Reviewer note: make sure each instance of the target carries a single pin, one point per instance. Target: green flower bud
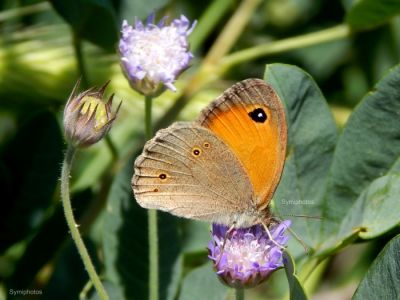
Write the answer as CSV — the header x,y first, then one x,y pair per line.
x,y
87,116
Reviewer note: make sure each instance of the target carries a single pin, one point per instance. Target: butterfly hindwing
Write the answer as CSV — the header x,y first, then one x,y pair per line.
x,y
188,171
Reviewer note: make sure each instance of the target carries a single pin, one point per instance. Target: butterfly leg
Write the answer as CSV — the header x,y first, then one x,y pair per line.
x,y
270,236
228,232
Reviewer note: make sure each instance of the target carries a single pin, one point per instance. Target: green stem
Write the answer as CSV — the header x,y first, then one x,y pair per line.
x,y
148,117
207,22
153,244
152,218
111,146
77,43
323,36
239,294
231,32
73,227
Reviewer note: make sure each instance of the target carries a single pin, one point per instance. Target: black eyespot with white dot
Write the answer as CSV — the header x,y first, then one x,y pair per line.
x,y
162,176
258,115
196,151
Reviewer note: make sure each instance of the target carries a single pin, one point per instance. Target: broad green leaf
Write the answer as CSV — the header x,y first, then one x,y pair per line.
x,y
296,289
29,176
382,280
94,20
367,149
202,283
312,135
126,243
379,206
365,14
374,213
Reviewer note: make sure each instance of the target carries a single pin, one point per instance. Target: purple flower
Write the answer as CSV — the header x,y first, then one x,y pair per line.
x,y
87,117
153,56
248,256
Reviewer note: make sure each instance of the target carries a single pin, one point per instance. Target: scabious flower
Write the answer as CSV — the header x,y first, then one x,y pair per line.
x,y
153,56
248,256
87,117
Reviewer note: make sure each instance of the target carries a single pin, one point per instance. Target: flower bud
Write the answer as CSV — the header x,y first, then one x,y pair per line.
x,y
87,117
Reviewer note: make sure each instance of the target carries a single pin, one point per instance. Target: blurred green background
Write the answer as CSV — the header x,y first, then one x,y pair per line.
x,y
40,47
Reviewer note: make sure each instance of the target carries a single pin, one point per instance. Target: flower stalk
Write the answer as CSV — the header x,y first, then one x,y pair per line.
x,y
152,57
152,217
239,294
73,227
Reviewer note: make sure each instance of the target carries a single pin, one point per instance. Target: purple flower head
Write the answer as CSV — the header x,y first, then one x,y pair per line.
x,y
154,55
248,256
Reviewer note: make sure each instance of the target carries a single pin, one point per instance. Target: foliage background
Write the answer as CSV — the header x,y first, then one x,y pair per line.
x,y
46,46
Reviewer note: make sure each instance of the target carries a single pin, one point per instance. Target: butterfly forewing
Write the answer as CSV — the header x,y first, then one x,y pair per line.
x,y
250,118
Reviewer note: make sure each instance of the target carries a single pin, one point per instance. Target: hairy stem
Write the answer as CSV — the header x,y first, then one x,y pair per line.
x,y
73,227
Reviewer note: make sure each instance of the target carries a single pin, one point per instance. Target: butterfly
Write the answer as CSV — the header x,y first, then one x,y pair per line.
x,y
222,168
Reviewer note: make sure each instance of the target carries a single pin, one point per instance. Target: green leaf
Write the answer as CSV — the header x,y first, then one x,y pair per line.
x,y
93,20
382,280
202,283
29,176
366,14
374,213
312,135
126,243
379,205
367,149
296,289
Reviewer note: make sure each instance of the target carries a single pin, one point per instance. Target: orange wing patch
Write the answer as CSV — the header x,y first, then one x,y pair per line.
x,y
251,121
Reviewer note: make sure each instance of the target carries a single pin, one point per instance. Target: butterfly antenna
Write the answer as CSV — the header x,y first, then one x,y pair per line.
x,y
304,216
294,234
